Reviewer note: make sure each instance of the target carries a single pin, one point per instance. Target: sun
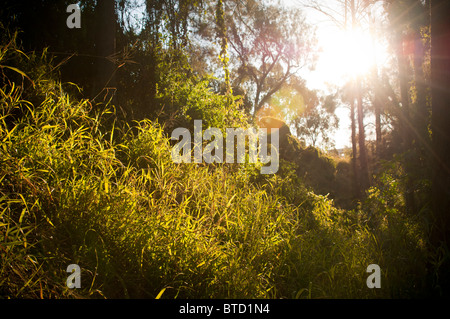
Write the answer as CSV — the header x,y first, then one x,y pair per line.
x,y
347,54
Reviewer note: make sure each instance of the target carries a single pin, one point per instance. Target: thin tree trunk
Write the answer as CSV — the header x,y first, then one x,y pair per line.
x,y
406,126
363,163
356,185
376,99
421,114
377,110
106,46
404,97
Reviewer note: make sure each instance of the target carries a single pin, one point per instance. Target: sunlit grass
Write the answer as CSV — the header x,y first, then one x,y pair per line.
x,y
110,199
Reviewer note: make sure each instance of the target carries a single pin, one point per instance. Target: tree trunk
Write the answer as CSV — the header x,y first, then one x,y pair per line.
x,y
356,186
363,163
404,96
421,112
440,122
406,125
377,111
376,98
106,46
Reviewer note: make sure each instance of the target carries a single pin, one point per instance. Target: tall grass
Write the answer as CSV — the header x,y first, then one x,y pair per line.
x,y
76,190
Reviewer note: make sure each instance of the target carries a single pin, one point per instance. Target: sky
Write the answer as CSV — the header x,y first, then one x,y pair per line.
x,y
321,78
341,54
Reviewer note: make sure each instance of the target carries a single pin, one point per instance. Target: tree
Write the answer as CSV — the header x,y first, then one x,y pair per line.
x,y
347,96
363,163
353,12
440,84
270,44
222,35
157,44
409,21
105,48
377,101
311,116
315,127
169,17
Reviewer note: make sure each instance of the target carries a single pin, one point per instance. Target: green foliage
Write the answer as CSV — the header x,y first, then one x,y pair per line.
x,y
398,237
314,168
191,98
270,44
75,190
180,96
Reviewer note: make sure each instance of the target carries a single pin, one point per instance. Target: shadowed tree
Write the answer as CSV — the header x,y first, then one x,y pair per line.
x,y
105,48
440,84
409,28
440,70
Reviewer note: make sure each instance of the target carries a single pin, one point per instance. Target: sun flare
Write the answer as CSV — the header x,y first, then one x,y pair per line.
x,y
346,54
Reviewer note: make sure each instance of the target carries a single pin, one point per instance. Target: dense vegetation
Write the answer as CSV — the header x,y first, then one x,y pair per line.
x,y
84,182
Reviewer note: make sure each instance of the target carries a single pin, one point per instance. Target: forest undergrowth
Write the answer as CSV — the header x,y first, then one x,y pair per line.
x,y
78,187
